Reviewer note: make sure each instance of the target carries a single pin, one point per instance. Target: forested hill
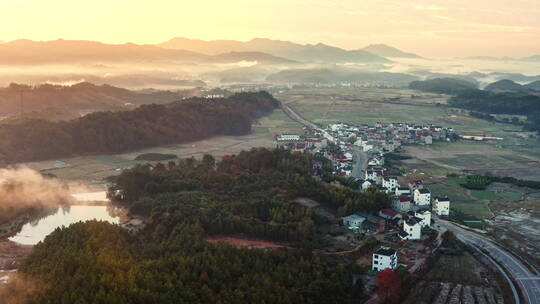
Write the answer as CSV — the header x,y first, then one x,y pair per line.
x,y
442,85
170,260
145,126
501,103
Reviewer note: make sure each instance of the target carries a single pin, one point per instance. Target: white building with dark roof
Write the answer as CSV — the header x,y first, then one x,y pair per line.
x,y
441,206
403,191
422,197
353,221
425,216
384,258
412,230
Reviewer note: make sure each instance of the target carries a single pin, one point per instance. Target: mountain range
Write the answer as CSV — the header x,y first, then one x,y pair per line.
x,y
506,85
300,52
534,58
384,50
73,101
28,52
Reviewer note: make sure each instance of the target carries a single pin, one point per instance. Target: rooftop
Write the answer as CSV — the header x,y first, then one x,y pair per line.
x,y
387,251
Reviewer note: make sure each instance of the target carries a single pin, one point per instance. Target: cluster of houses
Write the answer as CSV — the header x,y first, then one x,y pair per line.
x,y
412,204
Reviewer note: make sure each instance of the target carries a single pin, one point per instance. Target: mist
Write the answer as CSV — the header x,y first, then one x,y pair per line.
x,y
23,189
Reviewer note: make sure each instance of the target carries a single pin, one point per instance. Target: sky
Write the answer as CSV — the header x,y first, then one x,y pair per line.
x,y
429,27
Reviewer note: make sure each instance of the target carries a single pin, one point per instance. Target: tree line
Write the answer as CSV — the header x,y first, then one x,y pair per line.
x,y
97,262
145,126
501,103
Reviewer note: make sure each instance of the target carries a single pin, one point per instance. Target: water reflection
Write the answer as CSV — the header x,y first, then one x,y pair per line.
x,y
36,231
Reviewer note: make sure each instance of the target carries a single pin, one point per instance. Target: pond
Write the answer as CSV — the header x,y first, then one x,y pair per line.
x,y
36,231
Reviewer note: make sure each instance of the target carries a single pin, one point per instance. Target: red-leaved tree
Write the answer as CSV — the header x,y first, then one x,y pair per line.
x,y
388,286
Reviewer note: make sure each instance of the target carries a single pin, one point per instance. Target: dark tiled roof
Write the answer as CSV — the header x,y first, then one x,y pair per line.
x,y
413,221
402,233
385,251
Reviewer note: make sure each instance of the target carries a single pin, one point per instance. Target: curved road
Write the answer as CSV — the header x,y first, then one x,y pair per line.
x,y
527,281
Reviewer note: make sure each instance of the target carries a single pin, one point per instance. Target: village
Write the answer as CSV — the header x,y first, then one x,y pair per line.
x,y
405,236
405,233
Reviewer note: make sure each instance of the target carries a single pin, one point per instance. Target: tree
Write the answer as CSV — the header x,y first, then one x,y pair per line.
x,y
388,286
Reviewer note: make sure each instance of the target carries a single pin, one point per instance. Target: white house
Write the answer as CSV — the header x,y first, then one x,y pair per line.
x,y
402,203
384,258
425,217
441,206
422,197
370,174
288,137
411,229
403,191
353,221
366,184
390,183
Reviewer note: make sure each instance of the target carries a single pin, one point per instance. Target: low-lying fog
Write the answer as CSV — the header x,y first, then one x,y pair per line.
x,y
170,77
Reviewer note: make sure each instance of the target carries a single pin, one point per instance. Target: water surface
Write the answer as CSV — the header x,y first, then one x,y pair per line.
x,y
36,231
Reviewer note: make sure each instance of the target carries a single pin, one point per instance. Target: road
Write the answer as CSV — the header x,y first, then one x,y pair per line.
x,y
360,163
360,158
295,116
527,282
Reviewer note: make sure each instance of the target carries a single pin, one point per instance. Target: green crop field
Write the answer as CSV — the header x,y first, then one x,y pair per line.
x,y
479,209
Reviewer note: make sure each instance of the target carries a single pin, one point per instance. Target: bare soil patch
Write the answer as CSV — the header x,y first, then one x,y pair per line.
x,y
241,242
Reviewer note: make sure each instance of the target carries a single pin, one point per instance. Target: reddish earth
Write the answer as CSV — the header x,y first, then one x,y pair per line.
x,y
244,242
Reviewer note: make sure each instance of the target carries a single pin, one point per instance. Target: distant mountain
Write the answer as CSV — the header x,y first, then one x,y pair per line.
x,y
442,85
22,52
516,77
534,58
427,74
81,98
505,85
534,85
260,57
384,50
339,75
236,75
294,51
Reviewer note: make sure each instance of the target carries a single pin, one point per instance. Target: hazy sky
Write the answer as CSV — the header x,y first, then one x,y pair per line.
x,y
428,27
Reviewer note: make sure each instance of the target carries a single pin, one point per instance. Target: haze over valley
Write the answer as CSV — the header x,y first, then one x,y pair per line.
x,y
324,151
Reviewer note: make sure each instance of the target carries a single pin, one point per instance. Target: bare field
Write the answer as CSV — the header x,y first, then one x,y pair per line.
x,y
93,170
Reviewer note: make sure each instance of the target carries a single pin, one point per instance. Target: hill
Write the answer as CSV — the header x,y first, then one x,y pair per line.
x,y
384,50
338,75
286,49
259,57
535,85
185,205
145,126
442,85
23,52
78,99
506,85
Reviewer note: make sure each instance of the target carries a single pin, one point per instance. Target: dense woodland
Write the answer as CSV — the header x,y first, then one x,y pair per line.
x,y
250,193
170,260
501,103
146,126
442,85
